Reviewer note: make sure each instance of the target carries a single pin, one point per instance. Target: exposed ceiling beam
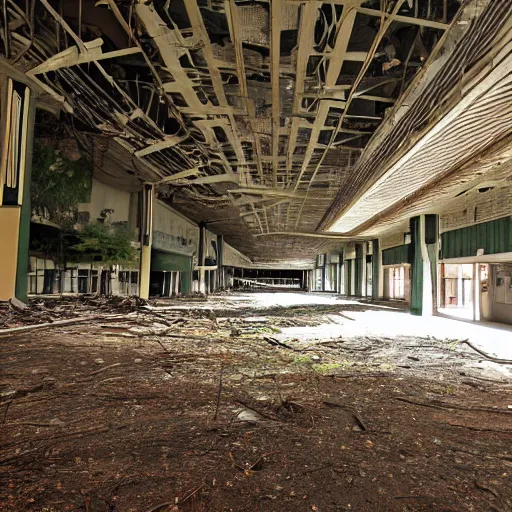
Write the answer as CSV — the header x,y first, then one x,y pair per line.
x,y
234,28
203,39
345,27
389,18
406,19
72,57
267,192
369,97
168,142
331,236
209,180
275,56
305,45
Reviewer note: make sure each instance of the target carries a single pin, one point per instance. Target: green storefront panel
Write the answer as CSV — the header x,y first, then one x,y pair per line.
x,y
166,261
416,306
493,237
396,255
172,262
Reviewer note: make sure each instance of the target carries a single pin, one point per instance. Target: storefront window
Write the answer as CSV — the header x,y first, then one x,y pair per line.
x,y
503,284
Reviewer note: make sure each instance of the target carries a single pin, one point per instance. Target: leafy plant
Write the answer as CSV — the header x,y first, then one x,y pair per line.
x,y
58,184
109,244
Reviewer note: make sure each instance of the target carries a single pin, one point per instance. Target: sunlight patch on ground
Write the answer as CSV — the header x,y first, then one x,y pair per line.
x,y
496,339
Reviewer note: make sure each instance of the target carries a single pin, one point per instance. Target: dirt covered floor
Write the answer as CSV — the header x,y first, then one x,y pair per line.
x,y
238,403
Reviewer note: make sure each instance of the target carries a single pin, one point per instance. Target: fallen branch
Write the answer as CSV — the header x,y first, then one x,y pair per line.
x,y
104,369
58,323
460,425
487,356
177,502
357,419
245,404
317,468
442,405
277,343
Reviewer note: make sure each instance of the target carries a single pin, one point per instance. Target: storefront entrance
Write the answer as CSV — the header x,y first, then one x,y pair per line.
x,y
397,282
456,293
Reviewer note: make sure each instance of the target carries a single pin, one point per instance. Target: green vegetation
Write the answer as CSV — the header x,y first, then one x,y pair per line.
x,y
58,184
327,367
108,244
317,366
303,360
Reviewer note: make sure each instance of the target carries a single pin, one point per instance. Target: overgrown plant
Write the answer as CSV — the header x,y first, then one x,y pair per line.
x,y
58,184
105,244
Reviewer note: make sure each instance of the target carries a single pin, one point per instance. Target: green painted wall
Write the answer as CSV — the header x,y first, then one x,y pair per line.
x,y
396,255
186,282
26,211
359,271
348,284
375,270
416,307
167,261
493,236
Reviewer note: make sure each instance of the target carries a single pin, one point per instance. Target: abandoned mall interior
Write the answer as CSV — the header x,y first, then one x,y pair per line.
x,y
256,255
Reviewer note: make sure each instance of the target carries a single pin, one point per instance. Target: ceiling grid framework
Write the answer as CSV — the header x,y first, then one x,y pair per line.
x,y
252,115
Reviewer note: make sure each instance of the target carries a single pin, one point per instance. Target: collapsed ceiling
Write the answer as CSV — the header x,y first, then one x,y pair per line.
x,y
250,115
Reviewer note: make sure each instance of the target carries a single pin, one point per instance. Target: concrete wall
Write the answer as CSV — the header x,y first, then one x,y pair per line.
x,y
209,250
234,258
393,239
172,232
476,207
106,197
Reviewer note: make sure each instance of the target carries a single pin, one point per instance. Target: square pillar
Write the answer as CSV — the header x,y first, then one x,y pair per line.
x,y
378,274
148,195
424,261
16,140
364,276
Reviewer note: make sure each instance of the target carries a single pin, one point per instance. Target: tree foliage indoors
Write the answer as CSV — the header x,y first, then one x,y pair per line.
x,y
58,184
105,244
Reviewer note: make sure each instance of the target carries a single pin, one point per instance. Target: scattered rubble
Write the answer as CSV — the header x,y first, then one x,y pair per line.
x,y
154,407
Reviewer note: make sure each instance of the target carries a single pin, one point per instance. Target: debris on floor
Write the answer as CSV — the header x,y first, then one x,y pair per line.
x,y
214,407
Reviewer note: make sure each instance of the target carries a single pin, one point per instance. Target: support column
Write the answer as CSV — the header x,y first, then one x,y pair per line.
x,y
425,249
377,277
358,274
221,281
324,272
460,287
201,257
343,280
364,276
476,292
16,139
352,274
148,194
